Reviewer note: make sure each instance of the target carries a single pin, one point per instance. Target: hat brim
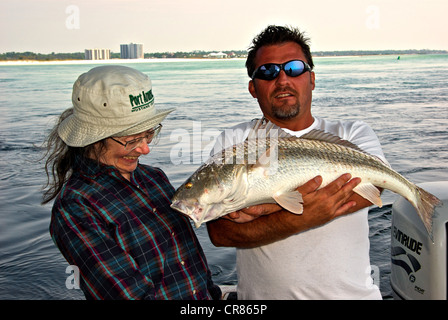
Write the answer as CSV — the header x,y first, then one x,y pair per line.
x,y
77,133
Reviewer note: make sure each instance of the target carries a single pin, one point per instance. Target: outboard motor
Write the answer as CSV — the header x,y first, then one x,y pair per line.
x,y
418,264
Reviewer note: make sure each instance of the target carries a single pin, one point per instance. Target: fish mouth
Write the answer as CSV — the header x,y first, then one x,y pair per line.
x,y
191,210
183,206
197,212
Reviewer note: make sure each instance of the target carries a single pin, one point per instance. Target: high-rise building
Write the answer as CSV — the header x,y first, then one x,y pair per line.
x,y
131,51
124,51
97,54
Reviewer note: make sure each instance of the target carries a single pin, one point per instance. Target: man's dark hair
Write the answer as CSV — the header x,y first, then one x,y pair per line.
x,y
273,35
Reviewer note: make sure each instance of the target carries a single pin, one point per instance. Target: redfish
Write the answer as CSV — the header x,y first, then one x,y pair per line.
x,y
268,168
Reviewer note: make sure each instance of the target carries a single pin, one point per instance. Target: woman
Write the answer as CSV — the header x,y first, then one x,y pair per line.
x,y
111,215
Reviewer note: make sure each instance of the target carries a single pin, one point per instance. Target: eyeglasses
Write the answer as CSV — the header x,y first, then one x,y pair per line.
x,y
151,136
270,71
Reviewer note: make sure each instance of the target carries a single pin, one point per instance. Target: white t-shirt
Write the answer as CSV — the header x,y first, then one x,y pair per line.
x,y
327,262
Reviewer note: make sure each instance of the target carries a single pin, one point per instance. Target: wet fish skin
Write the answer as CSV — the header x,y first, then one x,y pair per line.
x,y
226,183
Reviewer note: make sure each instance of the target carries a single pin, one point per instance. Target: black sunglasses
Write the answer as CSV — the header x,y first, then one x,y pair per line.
x,y
270,71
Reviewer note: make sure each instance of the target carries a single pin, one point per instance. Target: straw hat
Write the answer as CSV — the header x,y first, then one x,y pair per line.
x,y
110,101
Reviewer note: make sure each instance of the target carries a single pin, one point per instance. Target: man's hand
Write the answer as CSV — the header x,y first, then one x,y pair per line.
x,y
327,203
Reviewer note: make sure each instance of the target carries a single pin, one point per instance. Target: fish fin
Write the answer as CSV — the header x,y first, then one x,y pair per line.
x,y
370,192
264,159
320,135
258,124
291,201
425,208
323,136
268,161
263,128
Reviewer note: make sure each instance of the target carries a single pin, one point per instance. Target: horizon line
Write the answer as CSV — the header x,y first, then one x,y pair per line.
x,y
241,50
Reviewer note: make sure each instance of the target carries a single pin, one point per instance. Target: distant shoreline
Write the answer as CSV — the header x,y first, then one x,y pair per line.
x,y
109,61
158,60
27,58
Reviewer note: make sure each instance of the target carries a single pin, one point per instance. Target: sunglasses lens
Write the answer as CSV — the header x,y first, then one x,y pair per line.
x,y
268,71
271,71
294,68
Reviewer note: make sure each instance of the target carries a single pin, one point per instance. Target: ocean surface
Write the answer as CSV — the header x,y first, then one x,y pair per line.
x,y
405,101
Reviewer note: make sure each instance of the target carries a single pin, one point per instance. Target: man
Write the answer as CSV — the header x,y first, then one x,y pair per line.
x,y
277,256
111,216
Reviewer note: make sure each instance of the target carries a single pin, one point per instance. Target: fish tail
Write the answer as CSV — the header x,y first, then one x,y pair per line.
x,y
426,202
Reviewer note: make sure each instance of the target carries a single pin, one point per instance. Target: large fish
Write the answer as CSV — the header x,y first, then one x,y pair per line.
x,y
268,167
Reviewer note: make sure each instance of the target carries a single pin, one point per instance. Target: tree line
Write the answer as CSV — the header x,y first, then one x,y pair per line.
x,y
14,56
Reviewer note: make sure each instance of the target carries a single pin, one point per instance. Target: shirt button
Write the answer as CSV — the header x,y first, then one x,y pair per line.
x,y
154,209
182,262
194,291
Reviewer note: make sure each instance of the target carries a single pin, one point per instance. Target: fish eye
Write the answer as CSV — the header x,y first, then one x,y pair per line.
x,y
188,185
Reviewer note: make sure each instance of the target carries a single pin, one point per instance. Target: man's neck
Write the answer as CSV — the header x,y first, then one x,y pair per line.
x,y
295,124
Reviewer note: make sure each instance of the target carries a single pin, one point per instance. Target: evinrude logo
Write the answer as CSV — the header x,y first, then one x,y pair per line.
x,y
141,101
407,241
401,258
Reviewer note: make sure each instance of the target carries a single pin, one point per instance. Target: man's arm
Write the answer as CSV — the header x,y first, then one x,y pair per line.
x,y
319,207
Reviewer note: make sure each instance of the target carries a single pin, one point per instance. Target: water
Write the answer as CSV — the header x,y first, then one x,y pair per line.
x,y
405,102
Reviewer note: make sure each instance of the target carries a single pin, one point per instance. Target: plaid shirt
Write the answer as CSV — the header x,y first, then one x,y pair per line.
x,y
125,239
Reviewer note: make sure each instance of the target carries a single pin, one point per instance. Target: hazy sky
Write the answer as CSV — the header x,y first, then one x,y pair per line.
x,y
185,25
